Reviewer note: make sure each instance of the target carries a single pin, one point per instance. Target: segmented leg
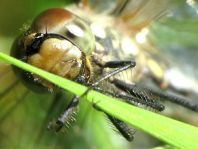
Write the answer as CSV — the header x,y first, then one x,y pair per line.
x,y
140,98
126,131
145,93
116,64
55,102
67,116
144,101
119,66
173,98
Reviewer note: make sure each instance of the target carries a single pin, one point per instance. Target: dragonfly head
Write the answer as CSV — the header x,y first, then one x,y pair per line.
x,y
58,42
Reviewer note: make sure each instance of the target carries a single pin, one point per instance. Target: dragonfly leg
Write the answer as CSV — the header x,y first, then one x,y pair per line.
x,y
146,92
119,65
182,101
135,100
67,116
126,131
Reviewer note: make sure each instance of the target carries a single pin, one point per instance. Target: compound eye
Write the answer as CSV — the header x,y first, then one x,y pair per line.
x,y
63,22
58,42
50,52
80,33
58,56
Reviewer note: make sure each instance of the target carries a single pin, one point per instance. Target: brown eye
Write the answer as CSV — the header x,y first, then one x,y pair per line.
x,y
63,22
56,42
58,56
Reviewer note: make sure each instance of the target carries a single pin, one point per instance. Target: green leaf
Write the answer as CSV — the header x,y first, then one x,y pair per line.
x,y
172,132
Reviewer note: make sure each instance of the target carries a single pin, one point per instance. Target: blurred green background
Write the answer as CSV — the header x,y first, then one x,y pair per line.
x,y
24,129
15,13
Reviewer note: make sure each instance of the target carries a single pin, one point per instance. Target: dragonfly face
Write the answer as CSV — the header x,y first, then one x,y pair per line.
x,y
56,42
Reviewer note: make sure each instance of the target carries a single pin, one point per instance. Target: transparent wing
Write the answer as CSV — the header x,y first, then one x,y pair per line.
x,y
99,6
139,14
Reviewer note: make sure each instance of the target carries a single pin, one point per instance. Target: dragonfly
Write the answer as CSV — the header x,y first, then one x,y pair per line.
x,y
79,44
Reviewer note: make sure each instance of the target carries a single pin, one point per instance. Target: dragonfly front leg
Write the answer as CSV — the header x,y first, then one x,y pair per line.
x,y
119,66
67,116
115,64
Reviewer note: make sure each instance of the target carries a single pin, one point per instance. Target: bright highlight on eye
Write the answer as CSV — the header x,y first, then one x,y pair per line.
x,y
76,30
98,30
